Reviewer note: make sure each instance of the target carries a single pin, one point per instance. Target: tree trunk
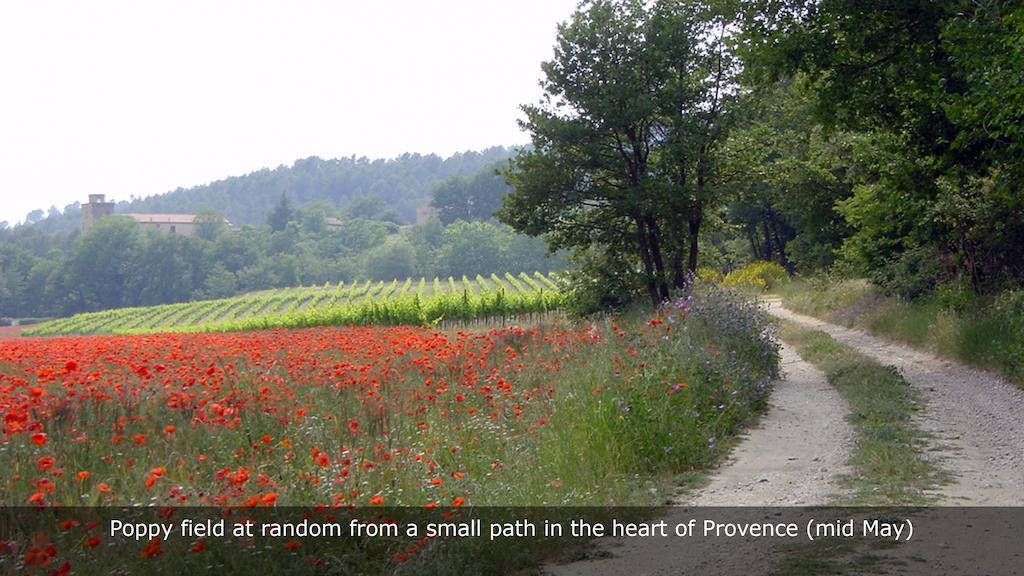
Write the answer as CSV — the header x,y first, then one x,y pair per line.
x,y
768,242
694,222
645,258
653,234
678,271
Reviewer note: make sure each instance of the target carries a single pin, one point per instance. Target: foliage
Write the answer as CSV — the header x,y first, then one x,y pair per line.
x,y
759,275
469,198
1007,349
788,175
912,274
985,331
402,183
721,369
928,83
407,301
637,101
278,217
599,281
117,263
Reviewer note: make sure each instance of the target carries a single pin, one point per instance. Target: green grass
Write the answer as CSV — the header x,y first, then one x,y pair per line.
x,y
984,332
837,556
888,467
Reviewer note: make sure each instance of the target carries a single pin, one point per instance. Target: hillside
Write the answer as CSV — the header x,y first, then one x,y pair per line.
x,y
404,183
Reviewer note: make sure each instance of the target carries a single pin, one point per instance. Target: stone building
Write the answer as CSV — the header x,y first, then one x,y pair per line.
x,y
184,224
97,208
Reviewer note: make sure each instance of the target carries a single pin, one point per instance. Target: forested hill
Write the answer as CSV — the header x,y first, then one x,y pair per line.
x,y
403,183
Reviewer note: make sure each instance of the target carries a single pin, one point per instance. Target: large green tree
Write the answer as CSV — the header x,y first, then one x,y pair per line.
x,y
624,142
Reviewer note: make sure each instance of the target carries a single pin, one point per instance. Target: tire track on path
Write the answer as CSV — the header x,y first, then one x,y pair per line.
x,y
975,417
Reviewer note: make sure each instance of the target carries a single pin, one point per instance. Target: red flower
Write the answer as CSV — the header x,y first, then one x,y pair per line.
x,y
39,438
376,500
152,549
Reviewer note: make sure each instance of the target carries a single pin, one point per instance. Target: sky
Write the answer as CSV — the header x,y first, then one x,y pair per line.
x,y
131,99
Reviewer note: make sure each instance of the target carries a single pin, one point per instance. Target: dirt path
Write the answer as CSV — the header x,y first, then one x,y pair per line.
x,y
977,418
791,458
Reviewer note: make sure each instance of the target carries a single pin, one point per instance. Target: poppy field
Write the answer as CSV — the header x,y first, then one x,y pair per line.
x,y
377,416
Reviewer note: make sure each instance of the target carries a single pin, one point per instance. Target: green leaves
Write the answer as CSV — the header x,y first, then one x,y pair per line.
x,y
638,98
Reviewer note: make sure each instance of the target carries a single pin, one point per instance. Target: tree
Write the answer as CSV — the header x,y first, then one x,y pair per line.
x,y
210,224
372,208
34,216
469,198
392,260
934,84
625,139
471,248
280,215
100,264
789,174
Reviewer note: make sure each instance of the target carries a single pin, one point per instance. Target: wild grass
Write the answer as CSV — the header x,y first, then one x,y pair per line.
x,y
987,332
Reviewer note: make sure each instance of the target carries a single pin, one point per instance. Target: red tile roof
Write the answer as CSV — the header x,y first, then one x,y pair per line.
x,y
163,218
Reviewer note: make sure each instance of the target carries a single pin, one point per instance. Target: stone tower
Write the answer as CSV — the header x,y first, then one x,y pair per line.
x,y
97,208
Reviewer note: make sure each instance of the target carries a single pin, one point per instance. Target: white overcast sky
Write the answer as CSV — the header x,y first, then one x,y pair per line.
x,y
140,97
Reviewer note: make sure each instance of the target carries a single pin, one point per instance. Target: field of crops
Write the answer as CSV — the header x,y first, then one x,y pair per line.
x,y
338,417
412,301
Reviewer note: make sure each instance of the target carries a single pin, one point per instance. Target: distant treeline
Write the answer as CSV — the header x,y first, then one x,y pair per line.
x,y
118,263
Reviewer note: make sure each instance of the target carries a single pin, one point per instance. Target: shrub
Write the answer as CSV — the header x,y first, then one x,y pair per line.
x,y
708,274
1008,342
913,273
599,281
760,275
707,371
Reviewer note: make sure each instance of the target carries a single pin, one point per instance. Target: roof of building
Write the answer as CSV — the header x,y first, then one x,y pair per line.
x,y
163,218
332,221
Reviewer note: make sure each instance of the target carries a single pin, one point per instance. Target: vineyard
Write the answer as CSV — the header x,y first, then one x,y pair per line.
x,y
410,301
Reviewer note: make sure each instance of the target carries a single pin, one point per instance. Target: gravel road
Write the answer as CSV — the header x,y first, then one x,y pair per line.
x,y
976,418
792,456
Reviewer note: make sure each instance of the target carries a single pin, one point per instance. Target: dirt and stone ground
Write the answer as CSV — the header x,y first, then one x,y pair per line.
x,y
976,418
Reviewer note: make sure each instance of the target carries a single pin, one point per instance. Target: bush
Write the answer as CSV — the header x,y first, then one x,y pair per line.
x,y
760,275
708,274
598,282
912,274
1008,343
705,368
